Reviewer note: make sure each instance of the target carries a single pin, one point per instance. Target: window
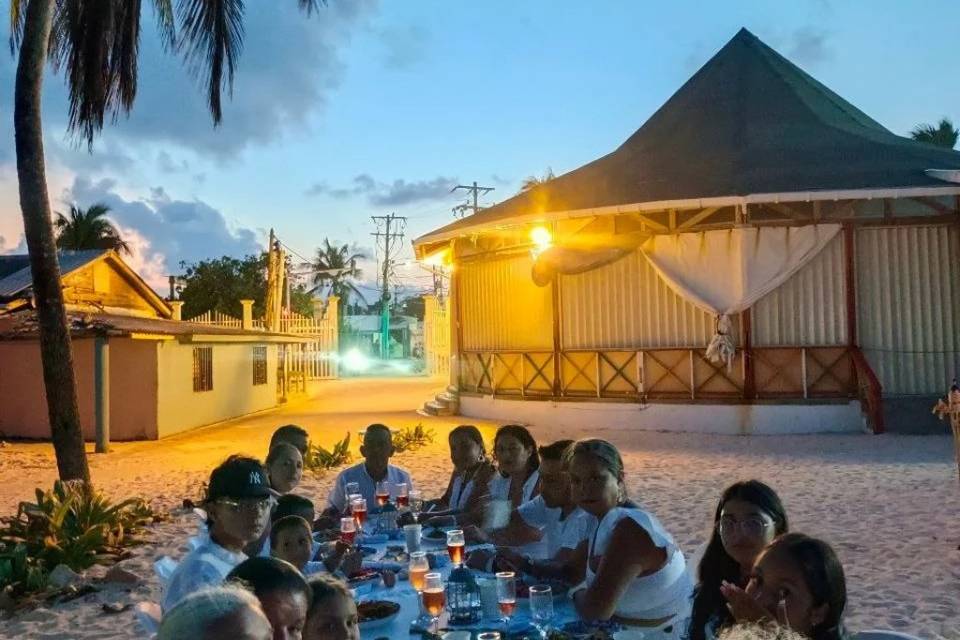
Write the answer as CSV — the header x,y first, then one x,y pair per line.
x,y
259,365
203,369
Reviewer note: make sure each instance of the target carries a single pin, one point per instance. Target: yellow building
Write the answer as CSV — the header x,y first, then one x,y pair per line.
x,y
160,375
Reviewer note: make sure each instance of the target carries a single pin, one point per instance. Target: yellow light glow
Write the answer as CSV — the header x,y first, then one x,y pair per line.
x,y
540,236
437,258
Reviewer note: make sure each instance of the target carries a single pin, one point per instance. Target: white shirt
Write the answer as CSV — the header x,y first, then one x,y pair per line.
x,y
500,487
205,566
556,533
666,592
368,486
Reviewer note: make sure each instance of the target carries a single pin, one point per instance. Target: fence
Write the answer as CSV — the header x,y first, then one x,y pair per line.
x,y
215,318
436,336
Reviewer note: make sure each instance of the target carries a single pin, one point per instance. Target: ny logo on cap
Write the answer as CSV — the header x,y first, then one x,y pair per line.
x,y
255,478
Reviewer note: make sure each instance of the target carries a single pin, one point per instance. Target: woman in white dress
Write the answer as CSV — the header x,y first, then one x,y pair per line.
x,y
468,490
518,464
636,574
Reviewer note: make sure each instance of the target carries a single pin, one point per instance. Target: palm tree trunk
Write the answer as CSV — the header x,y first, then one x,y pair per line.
x,y
55,351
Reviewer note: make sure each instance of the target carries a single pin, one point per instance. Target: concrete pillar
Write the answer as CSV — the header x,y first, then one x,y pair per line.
x,y
247,322
101,378
177,306
429,329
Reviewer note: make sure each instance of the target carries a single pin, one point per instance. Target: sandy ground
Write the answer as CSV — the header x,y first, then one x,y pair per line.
x,y
890,505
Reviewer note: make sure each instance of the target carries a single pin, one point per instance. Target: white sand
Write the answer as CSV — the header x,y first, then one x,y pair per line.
x,y
890,505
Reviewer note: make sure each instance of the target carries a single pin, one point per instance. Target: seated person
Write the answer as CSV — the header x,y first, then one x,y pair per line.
x,y
333,614
216,613
284,467
238,505
540,528
747,518
282,591
468,489
376,450
291,434
759,631
518,464
291,540
635,572
797,582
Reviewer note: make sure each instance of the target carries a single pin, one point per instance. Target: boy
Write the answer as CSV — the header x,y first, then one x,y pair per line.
x,y
291,434
282,590
376,451
333,614
290,540
238,505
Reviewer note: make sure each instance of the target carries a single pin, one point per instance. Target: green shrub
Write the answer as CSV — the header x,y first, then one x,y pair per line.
x,y
320,460
412,438
73,524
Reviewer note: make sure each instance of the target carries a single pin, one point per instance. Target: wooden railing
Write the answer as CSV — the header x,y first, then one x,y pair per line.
x,y
869,390
660,374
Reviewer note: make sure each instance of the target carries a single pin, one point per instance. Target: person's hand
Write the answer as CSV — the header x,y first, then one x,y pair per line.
x,y
406,518
442,521
351,563
474,534
340,548
510,560
324,522
743,606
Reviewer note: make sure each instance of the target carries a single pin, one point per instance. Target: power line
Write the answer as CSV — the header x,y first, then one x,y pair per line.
x,y
460,210
390,228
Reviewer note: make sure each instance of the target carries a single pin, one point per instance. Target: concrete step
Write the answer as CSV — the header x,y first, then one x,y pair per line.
x,y
447,398
434,408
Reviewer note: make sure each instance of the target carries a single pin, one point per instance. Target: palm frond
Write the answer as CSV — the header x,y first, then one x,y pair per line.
x,y
98,44
211,41
163,10
17,16
309,6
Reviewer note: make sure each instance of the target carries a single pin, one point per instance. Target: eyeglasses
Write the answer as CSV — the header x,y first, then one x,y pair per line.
x,y
249,505
750,527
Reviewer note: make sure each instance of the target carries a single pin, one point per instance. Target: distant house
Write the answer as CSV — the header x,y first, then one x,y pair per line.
x,y
164,376
363,332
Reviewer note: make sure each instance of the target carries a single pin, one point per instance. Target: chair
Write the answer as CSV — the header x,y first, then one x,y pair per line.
x,y
877,634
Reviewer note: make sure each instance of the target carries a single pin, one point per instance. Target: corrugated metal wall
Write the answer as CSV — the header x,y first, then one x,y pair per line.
x,y
908,297
501,308
627,305
809,309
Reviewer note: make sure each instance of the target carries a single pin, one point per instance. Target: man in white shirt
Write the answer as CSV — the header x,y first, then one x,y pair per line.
x,y
546,529
376,451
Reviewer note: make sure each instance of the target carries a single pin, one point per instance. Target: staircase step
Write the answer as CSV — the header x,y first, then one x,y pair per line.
x,y
447,398
436,409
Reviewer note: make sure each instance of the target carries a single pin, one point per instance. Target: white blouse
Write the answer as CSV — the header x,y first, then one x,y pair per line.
x,y
664,593
500,487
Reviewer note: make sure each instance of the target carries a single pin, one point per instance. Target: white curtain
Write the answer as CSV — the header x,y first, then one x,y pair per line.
x,y
726,271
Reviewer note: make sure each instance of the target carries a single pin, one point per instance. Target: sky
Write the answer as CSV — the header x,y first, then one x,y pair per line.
x,y
372,107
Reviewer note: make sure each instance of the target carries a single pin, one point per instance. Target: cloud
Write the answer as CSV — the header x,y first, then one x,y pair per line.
x,y
404,47
167,231
809,46
392,194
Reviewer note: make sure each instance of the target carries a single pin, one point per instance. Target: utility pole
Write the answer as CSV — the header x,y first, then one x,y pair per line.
x,y
460,210
390,228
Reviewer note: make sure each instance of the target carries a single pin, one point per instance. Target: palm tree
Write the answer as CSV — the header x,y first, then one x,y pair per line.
x,y
88,230
96,43
943,135
535,181
337,267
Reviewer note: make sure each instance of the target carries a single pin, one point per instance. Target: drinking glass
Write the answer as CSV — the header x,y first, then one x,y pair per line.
x,y
455,544
541,606
433,597
383,493
402,498
507,593
411,535
416,503
359,510
348,529
418,568
351,492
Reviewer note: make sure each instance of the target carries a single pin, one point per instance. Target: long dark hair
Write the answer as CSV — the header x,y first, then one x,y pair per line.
x,y
717,566
472,433
823,575
523,436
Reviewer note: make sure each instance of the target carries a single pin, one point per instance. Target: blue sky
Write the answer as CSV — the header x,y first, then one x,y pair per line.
x,y
372,107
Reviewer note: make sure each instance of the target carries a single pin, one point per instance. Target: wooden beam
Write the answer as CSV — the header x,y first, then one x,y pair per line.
x,y
930,203
786,210
698,218
816,210
673,219
653,224
557,364
749,372
850,279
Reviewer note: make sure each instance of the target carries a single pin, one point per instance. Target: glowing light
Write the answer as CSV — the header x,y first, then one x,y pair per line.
x,y
438,258
541,238
355,361
401,366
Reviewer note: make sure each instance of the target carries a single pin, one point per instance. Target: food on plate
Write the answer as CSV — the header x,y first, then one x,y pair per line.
x,y
376,610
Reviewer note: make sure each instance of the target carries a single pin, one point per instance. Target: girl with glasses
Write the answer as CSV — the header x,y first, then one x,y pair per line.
x,y
748,516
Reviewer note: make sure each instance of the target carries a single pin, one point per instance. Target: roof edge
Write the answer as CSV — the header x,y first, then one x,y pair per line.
x,y
690,203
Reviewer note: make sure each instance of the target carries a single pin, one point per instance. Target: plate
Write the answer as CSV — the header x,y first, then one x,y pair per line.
x,y
434,535
384,611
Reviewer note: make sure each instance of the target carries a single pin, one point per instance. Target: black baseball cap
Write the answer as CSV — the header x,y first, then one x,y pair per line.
x,y
239,477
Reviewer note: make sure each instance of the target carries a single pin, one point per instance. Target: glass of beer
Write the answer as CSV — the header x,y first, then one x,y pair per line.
x,y
359,510
507,594
418,568
383,493
433,596
455,544
348,530
402,499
